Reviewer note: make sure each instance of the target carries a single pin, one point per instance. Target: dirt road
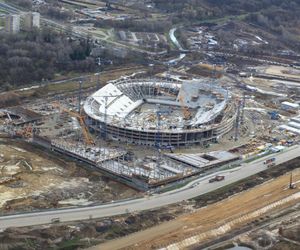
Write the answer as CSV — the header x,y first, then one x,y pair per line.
x,y
214,220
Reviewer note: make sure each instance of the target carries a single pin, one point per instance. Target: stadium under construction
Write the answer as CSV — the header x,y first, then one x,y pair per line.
x,y
156,113
160,112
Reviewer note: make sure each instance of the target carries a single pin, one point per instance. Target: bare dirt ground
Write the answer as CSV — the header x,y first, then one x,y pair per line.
x,y
283,233
84,234
263,84
32,179
283,71
214,220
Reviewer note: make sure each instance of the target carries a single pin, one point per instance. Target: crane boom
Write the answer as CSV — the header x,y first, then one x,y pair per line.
x,y
86,134
185,110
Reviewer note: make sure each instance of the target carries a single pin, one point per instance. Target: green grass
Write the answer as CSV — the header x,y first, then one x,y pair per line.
x,y
73,85
70,244
29,243
224,19
68,86
173,187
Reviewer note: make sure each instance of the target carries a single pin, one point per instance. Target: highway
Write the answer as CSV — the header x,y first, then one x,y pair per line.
x,y
191,190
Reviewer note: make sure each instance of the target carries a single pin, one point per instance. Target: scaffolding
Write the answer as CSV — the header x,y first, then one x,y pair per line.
x,y
117,112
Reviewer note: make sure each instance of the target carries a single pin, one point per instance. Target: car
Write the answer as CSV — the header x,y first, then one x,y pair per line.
x,y
268,161
55,220
217,178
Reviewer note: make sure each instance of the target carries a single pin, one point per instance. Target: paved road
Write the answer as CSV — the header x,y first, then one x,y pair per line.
x,y
174,39
193,189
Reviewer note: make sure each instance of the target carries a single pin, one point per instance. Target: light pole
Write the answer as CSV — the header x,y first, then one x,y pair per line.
x,y
98,74
79,96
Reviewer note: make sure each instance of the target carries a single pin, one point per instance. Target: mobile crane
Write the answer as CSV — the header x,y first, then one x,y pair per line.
x,y
86,134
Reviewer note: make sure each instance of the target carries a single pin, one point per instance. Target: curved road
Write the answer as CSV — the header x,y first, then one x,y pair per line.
x,y
174,39
193,189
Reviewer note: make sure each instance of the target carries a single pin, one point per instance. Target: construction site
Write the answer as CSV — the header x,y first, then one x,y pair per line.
x,y
155,113
149,133
161,113
136,137
149,124
32,179
231,221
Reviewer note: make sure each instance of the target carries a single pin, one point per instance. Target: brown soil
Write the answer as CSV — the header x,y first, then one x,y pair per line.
x,y
209,222
9,99
33,179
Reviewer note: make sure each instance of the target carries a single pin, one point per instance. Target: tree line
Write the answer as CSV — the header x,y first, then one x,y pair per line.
x,y
31,57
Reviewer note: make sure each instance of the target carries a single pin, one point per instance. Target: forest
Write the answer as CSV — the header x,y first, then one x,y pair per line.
x,y
36,56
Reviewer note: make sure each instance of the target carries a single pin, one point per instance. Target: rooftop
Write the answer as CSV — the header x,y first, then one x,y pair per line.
x,y
135,103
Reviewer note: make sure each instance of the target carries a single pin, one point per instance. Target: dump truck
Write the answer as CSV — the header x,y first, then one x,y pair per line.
x,y
217,178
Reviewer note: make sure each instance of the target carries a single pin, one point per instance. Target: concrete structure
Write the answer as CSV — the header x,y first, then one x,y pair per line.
x,y
290,129
149,173
203,161
293,126
12,24
31,21
154,112
194,189
20,116
290,106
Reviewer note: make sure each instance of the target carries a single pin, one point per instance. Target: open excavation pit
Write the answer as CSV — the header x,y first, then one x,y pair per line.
x,y
31,179
160,112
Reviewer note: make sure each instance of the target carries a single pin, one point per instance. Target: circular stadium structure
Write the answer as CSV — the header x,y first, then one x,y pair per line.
x,y
161,112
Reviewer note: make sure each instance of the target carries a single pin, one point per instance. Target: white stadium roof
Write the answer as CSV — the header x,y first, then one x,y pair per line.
x,y
119,99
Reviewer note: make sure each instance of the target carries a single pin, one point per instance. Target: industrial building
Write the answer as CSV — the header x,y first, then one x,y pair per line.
x,y
160,112
290,106
12,24
149,172
31,21
19,116
293,126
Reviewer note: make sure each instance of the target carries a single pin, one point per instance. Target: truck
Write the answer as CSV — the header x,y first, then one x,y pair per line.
x,y
274,115
217,178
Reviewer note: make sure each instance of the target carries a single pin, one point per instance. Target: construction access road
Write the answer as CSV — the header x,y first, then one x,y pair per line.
x,y
191,190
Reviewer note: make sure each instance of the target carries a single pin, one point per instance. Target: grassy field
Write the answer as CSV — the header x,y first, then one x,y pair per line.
x,y
69,86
